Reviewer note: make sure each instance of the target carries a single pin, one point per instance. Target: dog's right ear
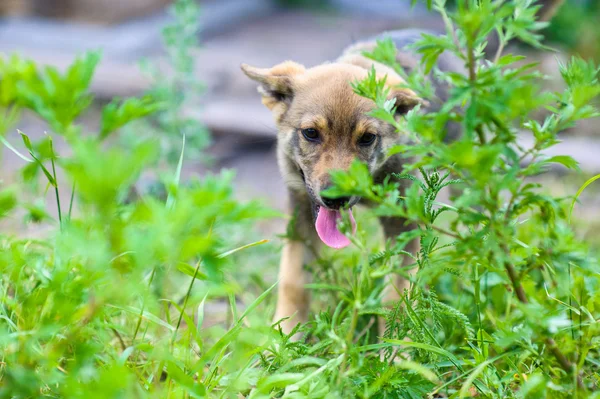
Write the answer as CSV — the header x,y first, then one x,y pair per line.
x,y
276,83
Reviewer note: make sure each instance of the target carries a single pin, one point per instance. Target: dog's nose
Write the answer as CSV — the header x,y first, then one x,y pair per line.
x,y
335,203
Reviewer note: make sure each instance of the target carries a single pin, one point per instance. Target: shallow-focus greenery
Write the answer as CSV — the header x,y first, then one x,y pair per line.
x,y
575,27
139,296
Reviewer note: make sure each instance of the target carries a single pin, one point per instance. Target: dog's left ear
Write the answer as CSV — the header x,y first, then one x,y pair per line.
x,y
406,100
276,83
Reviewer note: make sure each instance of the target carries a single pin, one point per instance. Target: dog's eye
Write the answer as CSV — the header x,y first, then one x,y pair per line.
x,y
311,134
366,139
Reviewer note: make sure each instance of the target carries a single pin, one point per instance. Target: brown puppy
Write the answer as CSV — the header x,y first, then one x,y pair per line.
x,y
322,125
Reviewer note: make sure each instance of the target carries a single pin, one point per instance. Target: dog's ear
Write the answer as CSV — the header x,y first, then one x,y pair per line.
x,y
406,100
276,83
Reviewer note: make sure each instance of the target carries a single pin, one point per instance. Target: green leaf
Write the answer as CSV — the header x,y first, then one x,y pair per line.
x,y
188,269
59,98
418,368
464,390
145,315
373,88
27,143
564,160
192,387
256,302
398,149
8,201
231,252
280,380
385,52
176,179
427,347
509,59
14,150
119,113
583,187
200,318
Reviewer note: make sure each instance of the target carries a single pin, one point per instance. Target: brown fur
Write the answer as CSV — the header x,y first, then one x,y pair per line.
x,y
323,99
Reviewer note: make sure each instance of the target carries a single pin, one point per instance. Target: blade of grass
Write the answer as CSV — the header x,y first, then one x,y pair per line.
x,y
587,183
427,347
55,182
201,312
185,300
143,314
464,390
419,369
459,377
256,302
233,306
14,150
71,200
231,252
189,291
196,272
177,178
139,322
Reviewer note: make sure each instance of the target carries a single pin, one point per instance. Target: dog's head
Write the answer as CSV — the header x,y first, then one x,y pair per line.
x,y
323,126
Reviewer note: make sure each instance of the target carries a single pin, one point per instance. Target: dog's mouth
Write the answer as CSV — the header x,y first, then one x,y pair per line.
x,y
326,220
327,227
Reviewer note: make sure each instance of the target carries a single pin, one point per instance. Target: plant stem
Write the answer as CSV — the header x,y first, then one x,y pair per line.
x,y
477,286
139,322
445,232
187,295
509,208
571,303
361,277
499,51
549,8
365,330
349,335
473,79
564,363
71,200
55,184
123,346
514,279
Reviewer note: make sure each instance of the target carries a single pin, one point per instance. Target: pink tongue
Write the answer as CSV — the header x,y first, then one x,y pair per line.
x,y
327,228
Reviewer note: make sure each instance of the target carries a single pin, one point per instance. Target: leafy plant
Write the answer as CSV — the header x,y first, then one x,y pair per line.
x,y
500,226
177,87
575,28
95,308
139,297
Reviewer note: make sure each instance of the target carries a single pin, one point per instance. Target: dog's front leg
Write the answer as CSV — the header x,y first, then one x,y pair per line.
x,y
293,299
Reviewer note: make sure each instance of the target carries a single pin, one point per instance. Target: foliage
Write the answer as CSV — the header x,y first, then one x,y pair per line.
x,y
177,88
98,306
506,243
118,298
576,28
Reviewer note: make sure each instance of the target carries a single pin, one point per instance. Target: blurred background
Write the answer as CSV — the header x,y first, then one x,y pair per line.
x,y
207,45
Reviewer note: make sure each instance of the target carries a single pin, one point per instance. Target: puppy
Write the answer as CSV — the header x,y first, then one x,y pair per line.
x,y
322,126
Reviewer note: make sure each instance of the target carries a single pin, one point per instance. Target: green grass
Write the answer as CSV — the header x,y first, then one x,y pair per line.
x,y
172,295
